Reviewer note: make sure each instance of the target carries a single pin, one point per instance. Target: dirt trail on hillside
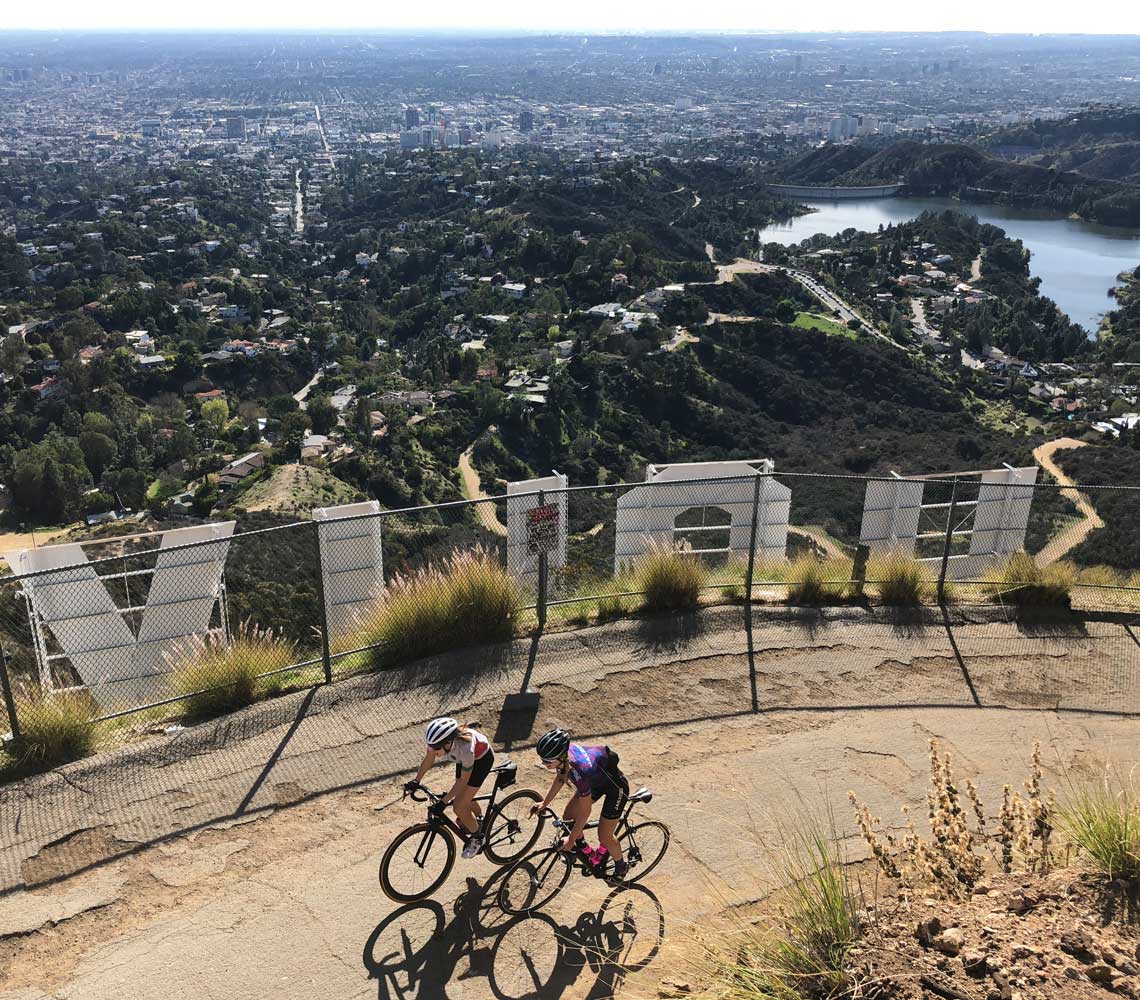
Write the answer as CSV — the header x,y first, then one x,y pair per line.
x,y
472,489
1068,539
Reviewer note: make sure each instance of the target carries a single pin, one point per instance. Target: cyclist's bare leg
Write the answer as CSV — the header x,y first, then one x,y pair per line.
x,y
463,803
606,828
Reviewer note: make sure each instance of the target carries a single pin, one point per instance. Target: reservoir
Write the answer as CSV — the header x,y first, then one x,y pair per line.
x,y
1076,261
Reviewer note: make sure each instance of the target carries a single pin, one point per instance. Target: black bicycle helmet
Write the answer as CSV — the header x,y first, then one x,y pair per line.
x,y
553,745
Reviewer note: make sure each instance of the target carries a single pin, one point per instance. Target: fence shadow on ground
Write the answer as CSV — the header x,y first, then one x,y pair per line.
x,y
422,948
629,675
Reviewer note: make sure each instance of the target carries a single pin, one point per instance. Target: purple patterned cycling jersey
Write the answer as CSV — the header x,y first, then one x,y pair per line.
x,y
587,768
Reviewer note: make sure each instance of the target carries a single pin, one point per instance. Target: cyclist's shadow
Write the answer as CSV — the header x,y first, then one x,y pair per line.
x,y
417,950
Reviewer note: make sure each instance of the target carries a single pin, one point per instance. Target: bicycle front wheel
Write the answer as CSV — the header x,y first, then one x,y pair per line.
x,y
512,830
534,881
643,846
417,863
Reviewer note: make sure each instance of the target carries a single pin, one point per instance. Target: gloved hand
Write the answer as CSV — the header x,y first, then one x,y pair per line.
x,y
411,786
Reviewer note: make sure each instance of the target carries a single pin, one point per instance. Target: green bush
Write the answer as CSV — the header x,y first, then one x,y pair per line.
x,y
669,581
1105,823
214,676
1024,583
467,599
54,730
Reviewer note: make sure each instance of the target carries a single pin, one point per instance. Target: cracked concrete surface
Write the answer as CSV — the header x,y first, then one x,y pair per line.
x,y
260,876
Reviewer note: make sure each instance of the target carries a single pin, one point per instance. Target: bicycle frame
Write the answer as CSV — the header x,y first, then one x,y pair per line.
x,y
441,821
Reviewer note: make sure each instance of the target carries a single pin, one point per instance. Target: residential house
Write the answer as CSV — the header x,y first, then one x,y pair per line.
x,y
239,469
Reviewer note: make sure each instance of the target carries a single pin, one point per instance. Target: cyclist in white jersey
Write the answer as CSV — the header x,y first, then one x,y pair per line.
x,y
471,751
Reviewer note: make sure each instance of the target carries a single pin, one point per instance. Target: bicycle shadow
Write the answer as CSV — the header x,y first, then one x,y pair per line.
x,y
419,951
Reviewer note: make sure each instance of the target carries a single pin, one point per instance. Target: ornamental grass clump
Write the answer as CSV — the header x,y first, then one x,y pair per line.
x,y
669,580
466,599
813,581
806,954
1103,821
901,582
55,729
1023,583
214,674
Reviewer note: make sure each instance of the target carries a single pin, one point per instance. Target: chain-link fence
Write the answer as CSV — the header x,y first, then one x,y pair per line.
x,y
194,621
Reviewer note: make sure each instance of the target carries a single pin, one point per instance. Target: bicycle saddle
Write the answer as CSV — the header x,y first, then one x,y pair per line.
x,y
642,795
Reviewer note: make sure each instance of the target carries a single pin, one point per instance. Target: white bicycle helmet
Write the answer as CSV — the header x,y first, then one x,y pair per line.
x,y
440,731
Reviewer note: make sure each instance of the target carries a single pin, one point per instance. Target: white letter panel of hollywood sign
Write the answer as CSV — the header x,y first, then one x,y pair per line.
x,y
891,512
72,600
352,562
647,515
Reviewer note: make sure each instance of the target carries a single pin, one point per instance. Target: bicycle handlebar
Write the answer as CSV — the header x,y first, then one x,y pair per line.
x,y
422,794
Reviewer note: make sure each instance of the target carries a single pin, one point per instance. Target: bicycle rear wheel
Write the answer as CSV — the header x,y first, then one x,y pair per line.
x,y
643,846
417,863
534,881
511,829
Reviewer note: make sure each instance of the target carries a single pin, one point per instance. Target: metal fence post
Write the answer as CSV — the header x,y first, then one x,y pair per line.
x,y
325,658
752,547
949,541
9,701
542,571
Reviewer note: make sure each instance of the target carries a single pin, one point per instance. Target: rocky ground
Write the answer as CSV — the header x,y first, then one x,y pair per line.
x,y
1064,934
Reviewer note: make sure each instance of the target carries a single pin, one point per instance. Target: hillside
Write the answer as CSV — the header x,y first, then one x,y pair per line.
x,y
296,489
968,173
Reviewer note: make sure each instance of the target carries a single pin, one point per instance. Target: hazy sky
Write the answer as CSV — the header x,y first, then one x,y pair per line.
x,y
1020,16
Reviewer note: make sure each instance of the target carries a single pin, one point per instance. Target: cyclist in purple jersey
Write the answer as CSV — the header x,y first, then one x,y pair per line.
x,y
595,775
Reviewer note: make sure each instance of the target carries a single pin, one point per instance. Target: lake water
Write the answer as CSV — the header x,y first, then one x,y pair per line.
x,y
1077,261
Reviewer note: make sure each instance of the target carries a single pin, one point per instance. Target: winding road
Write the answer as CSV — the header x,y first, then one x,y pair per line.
x,y
1062,544
472,489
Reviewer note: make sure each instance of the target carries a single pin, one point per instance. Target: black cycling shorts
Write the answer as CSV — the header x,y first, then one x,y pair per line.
x,y
478,773
613,795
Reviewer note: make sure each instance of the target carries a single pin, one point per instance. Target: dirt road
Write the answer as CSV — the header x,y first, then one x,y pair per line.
x,y
976,269
472,489
277,895
1060,545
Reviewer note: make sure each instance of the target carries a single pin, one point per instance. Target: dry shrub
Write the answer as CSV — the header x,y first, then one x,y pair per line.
x,y
214,675
1024,583
669,580
952,857
465,600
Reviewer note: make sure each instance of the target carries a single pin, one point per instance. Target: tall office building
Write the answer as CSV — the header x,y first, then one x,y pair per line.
x,y
411,118
235,128
526,121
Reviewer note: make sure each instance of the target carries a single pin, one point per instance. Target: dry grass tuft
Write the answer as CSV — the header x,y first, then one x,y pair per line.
x,y
214,676
467,599
813,581
669,580
55,730
1022,582
1103,820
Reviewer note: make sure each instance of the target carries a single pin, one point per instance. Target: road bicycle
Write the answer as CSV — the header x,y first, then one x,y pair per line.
x,y
534,880
419,860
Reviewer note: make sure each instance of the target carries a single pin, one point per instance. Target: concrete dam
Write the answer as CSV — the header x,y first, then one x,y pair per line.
x,y
823,193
